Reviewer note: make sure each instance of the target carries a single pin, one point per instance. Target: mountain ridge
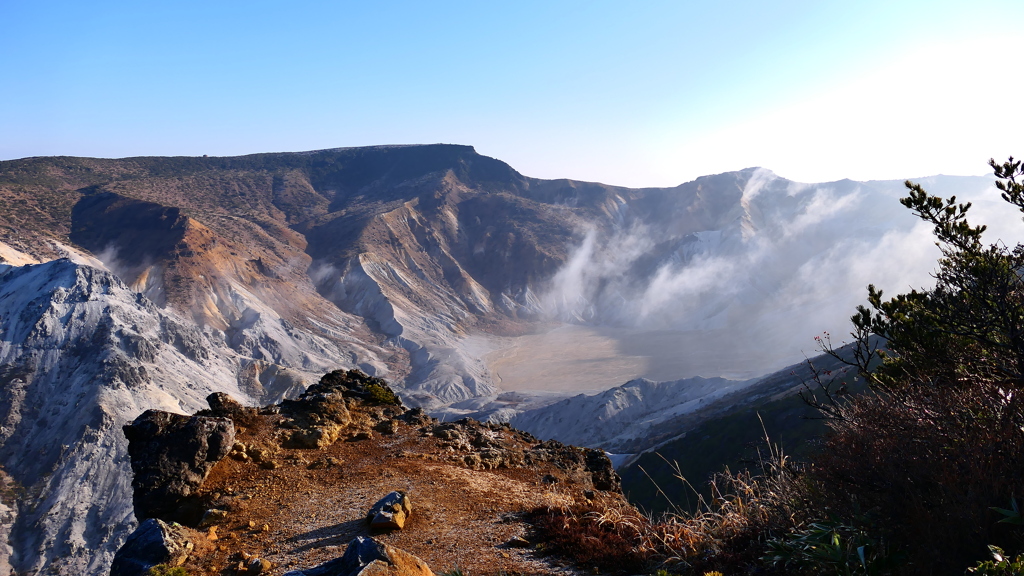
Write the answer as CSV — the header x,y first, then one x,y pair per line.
x,y
430,213
282,266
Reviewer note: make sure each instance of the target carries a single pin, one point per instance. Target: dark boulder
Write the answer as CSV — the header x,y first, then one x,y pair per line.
x,y
368,557
390,512
171,455
153,542
602,472
224,406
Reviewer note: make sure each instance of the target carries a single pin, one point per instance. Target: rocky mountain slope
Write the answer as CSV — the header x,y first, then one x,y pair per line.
x,y
395,253
81,353
150,282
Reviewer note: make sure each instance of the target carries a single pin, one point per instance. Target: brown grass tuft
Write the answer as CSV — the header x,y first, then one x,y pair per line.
x,y
726,534
606,539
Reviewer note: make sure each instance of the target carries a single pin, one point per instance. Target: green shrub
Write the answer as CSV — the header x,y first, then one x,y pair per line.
x,y
830,548
382,394
165,570
941,439
999,565
929,467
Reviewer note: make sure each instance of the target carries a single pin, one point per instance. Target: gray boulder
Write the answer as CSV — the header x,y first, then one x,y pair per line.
x,y
171,455
153,542
390,512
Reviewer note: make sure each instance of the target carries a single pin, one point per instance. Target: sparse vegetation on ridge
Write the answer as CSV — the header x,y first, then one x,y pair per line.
x,y
940,441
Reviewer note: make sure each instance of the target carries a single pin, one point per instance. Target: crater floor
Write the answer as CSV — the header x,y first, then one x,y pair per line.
x,y
585,359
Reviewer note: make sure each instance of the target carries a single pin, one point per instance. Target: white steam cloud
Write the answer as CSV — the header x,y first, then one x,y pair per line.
x,y
794,263
143,277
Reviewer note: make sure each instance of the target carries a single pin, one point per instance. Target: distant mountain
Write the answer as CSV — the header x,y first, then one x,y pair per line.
x,y
621,417
702,425
149,282
642,415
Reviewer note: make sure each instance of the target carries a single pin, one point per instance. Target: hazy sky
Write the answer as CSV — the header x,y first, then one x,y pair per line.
x,y
642,93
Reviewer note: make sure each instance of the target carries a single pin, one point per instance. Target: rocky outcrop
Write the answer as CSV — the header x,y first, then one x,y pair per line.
x,y
353,384
222,405
596,462
153,542
489,446
602,472
171,455
368,557
270,489
319,416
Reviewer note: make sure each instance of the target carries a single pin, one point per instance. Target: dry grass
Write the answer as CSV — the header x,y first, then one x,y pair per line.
x,y
726,534
577,533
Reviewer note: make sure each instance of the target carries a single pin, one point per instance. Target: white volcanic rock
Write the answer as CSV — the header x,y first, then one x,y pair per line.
x,y
259,332
81,354
442,372
618,416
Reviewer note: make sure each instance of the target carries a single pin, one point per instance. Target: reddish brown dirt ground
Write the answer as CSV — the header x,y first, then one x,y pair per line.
x,y
297,517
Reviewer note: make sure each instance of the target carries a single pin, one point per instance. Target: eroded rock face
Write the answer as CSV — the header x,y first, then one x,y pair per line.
x,y
171,455
153,542
368,557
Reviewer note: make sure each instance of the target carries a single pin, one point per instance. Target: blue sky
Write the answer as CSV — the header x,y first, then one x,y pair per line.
x,y
638,94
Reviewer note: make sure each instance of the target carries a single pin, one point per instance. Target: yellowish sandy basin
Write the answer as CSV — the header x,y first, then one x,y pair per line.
x,y
576,359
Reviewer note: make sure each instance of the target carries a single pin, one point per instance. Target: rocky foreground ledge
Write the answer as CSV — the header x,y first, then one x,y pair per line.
x,y
296,488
